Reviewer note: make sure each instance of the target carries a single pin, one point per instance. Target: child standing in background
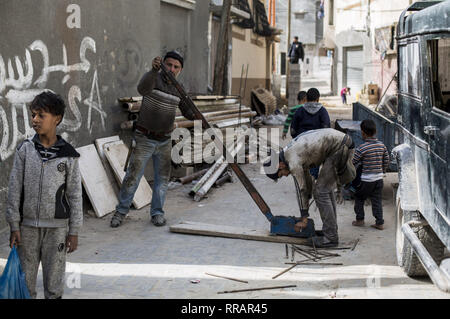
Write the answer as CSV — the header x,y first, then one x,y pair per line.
x,y
344,92
301,98
374,158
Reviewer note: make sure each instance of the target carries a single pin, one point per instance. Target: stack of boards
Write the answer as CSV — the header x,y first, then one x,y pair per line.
x,y
102,172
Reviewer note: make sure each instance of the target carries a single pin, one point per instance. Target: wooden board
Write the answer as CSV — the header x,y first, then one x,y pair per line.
x,y
194,228
116,153
99,143
95,181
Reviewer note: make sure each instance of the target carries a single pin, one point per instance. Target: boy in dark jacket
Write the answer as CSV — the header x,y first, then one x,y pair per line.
x,y
44,208
311,116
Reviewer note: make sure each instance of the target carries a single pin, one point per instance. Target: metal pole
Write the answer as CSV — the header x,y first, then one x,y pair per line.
x,y
439,278
288,41
222,47
255,289
240,95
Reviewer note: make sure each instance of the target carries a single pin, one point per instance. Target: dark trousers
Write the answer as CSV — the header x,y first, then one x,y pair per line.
x,y
373,191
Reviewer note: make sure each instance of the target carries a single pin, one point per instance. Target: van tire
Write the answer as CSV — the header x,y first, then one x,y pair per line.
x,y
406,257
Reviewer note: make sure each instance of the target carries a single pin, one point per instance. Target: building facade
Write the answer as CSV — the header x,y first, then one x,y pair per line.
x,y
251,47
361,37
306,22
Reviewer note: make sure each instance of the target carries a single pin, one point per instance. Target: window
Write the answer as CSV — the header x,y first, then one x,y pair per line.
x,y
385,39
283,63
439,51
410,75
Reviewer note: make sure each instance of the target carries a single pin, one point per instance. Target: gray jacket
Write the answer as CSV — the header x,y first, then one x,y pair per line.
x,y
45,194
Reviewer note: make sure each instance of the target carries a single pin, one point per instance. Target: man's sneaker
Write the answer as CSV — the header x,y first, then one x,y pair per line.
x,y
117,219
158,220
321,242
358,223
379,227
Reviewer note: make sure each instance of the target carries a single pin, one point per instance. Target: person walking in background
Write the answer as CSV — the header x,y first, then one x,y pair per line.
x,y
344,92
296,51
301,98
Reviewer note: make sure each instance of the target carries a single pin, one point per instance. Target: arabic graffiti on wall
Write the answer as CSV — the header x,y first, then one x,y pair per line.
x,y
19,85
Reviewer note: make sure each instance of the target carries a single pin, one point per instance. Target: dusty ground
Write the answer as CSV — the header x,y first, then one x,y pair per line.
x,y
139,260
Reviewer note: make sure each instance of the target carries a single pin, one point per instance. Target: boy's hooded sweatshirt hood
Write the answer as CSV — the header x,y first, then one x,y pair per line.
x,y
45,193
311,116
312,107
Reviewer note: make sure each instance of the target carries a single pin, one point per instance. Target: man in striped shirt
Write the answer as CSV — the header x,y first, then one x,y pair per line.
x,y
374,158
152,133
301,98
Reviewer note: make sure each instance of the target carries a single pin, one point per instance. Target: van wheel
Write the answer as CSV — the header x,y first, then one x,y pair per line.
x,y
406,257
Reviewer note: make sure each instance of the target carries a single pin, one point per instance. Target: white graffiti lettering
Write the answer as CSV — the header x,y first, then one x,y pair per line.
x,y
17,89
96,105
74,19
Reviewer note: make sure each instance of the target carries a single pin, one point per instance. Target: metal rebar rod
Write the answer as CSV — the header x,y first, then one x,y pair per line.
x,y
354,244
321,252
286,270
305,255
314,246
224,277
336,248
255,289
324,264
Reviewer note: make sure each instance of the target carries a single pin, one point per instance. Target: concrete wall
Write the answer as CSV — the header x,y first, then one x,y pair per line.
x,y
187,31
250,49
303,25
90,52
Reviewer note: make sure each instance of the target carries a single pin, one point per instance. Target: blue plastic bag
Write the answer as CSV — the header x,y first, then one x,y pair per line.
x,y
12,281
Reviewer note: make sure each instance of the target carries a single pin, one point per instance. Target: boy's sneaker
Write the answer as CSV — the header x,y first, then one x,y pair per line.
x,y
117,219
158,220
379,227
358,223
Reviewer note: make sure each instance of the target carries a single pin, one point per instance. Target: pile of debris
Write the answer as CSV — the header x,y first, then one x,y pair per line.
x,y
265,104
220,111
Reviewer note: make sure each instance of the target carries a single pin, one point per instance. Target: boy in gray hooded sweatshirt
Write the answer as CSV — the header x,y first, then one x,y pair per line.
x,y
44,208
311,116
